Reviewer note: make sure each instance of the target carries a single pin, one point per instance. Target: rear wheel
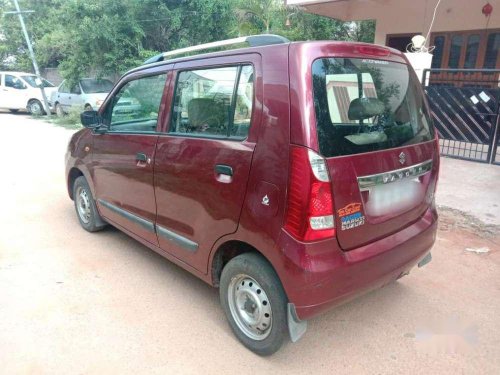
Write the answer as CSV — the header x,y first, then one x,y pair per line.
x,y
254,303
85,206
35,107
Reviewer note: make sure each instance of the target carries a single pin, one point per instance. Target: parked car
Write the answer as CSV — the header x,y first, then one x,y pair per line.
x,y
292,176
87,94
19,91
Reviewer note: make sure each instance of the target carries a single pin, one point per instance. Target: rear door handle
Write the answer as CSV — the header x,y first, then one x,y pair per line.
x,y
224,169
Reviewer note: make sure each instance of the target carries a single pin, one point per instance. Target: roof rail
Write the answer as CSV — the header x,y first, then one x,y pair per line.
x,y
252,41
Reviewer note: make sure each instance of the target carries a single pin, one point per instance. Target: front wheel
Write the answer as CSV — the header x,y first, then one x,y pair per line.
x,y
85,206
59,110
254,303
35,107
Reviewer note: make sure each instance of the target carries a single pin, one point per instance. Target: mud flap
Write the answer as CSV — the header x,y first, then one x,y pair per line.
x,y
296,327
424,261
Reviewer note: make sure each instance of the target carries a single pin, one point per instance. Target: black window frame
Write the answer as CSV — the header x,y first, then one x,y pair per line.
x,y
107,111
239,67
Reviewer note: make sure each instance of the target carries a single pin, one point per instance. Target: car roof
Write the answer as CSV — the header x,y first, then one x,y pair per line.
x,y
261,49
16,73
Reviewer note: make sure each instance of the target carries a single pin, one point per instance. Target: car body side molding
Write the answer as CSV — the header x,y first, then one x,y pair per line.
x,y
177,239
128,215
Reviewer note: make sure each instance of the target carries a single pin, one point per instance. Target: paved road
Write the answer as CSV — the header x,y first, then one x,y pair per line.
x,y
74,302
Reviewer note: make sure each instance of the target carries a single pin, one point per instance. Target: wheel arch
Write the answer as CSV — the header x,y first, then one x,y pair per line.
x,y
227,251
31,100
73,174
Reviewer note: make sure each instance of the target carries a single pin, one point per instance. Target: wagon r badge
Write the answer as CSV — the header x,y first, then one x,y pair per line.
x,y
402,158
265,200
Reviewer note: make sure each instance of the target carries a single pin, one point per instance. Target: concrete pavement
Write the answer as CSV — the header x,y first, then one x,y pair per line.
x,y
75,302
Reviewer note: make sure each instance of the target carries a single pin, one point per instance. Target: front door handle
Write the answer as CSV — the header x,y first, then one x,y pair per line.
x,y
141,157
223,169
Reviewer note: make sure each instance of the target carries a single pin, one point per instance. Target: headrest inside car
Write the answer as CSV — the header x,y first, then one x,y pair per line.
x,y
205,111
364,108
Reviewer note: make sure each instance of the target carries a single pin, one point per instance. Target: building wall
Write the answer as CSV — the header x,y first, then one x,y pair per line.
x,y
408,16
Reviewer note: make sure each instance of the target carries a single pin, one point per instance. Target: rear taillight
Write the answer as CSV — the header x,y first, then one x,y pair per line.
x,y
309,215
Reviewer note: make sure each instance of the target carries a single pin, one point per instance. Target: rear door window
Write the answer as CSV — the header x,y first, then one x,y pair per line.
x,y
215,102
367,105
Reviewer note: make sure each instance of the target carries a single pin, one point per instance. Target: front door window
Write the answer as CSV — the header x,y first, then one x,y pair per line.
x,y
136,106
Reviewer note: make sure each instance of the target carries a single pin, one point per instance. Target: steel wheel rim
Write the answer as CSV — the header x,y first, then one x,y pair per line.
x,y
83,205
35,108
59,110
250,307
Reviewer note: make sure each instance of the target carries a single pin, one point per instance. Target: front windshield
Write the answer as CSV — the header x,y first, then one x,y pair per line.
x,y
32,81
95,86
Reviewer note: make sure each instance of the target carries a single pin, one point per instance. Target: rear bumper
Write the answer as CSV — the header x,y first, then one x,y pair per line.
x,y
321,276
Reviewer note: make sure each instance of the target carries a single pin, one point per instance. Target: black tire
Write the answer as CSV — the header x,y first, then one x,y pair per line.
x,y
14,110
258,269
59,110
35,107
86,209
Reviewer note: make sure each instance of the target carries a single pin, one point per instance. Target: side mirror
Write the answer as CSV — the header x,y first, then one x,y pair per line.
x,y
90,119
364,108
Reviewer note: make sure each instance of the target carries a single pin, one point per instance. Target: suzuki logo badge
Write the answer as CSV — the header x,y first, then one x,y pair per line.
x,y
402,158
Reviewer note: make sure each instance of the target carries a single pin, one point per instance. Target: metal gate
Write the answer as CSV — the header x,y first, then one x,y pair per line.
x,y
465,107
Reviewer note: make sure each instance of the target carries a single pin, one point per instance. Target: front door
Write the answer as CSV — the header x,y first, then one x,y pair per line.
x,y
123,156
202,164
62,95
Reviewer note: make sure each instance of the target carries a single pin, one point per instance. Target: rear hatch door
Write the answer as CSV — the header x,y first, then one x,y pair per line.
x,y
375,131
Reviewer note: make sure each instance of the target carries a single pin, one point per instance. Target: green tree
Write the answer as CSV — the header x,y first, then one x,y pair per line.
x,y
108,37
259,14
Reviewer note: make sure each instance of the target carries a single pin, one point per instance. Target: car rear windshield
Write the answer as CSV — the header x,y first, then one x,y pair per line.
x,y
95,86
367,105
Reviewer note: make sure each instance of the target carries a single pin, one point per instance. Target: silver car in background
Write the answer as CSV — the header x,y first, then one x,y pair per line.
x,y
87,94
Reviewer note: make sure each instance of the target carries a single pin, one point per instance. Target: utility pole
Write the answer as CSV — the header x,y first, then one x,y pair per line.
x,y
32,54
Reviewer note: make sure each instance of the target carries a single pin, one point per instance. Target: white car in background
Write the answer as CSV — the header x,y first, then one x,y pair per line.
x,y
20,90
87,94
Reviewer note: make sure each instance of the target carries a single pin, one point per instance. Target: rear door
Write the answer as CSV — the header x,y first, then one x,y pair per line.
x,y
203,161
376,133
74,99
123,157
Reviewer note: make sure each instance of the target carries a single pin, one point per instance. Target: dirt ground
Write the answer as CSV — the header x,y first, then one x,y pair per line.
x,y
74,302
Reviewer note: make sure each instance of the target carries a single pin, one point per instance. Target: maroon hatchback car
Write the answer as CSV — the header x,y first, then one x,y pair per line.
x,y
293,176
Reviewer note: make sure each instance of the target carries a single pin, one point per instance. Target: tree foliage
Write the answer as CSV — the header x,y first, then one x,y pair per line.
x,y
108,37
